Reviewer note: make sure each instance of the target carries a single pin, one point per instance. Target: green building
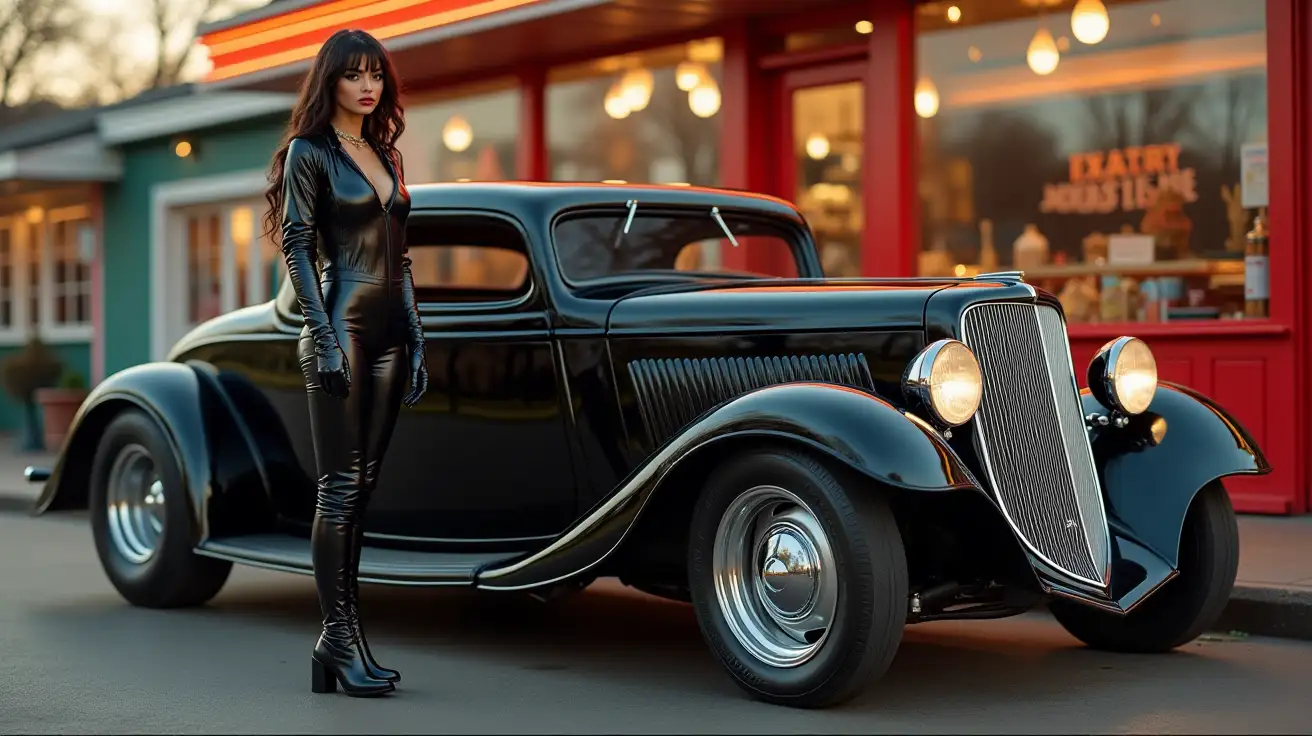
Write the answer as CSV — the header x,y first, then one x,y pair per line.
x,y
123,226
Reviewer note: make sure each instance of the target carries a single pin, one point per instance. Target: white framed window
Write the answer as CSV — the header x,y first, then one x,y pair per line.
x,y
219,261
10,293
65,304
45,274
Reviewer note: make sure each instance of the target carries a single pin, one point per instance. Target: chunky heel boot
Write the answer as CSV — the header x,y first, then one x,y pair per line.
x,y
321,680
337,655
375,670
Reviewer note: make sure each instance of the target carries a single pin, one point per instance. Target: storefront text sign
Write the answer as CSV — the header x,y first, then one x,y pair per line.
x,y
1122,179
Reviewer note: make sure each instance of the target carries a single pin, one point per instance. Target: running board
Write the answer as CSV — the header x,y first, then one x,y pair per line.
x,y
286,553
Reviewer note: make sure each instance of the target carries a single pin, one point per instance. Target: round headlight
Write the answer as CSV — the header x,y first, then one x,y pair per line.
x,y
1123,375
945,378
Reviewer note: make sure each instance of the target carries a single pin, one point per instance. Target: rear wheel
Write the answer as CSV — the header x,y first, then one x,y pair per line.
x,y
1184,607
141,520
799,582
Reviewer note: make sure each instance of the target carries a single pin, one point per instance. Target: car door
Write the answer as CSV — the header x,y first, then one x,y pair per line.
x,y
485,455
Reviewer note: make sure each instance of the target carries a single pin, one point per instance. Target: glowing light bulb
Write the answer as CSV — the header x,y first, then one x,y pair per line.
x,y
636,87
688,74
616,105
1089,21
704,99
456,134
926,98
1042,55
817,146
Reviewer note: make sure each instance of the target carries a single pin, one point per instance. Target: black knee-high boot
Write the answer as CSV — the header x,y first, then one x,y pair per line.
x,y
375,670
337,655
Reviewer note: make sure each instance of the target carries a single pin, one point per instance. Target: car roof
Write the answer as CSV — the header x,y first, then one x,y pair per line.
x,y
557,196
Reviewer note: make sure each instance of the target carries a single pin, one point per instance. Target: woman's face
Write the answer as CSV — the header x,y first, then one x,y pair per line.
x,y
359,89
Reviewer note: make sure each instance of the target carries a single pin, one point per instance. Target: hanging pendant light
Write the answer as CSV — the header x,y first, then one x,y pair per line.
x,y
456,134
688,74
1042,55
1089,21
926,98
817,146
704,99
616,105
636,86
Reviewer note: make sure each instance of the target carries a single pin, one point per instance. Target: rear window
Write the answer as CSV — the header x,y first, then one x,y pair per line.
x,y
689,242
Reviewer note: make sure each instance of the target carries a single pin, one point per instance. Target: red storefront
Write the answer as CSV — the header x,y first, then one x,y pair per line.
x,y
1118,151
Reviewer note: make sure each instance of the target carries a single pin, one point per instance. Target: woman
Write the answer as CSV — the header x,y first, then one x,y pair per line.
x,y
338,188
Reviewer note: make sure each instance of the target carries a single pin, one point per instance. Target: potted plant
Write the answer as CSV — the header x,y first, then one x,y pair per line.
x,y
34,367
59,405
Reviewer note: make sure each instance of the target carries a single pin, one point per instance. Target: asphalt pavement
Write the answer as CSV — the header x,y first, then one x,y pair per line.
x,y
74,658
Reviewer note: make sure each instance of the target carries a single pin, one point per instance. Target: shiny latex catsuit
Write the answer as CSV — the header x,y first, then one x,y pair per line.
x,y
362,342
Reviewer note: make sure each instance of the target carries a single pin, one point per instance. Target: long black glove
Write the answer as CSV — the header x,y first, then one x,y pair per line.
x,y
301,175
414,336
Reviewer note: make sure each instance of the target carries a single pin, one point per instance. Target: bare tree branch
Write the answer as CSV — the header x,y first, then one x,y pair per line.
x,y
28,27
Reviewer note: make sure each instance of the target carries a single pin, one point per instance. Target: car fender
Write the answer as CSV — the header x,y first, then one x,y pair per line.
x,y
856,428
195,416
1149,484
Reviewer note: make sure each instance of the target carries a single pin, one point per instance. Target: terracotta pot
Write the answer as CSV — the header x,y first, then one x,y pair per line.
x,y
58,407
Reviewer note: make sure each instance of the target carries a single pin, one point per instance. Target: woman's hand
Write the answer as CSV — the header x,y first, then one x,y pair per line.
x,y
334,372
418,376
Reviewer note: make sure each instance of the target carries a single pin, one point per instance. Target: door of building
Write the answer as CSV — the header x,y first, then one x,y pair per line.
x,y
820,156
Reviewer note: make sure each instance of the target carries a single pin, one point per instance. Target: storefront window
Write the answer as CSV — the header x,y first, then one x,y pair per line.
x,y
827,152
1115,151
651,117
467,134
463,135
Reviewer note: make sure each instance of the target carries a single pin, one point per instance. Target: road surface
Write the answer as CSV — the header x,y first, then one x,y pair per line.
x,y
74,658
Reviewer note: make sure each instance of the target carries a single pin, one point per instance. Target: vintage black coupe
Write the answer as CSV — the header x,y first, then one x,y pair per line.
x,y
813,463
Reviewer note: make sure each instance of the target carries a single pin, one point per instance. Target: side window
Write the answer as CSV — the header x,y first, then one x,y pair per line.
x,y
664,242
467,258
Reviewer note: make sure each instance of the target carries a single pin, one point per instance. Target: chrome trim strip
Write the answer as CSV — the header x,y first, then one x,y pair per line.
x,y
982,444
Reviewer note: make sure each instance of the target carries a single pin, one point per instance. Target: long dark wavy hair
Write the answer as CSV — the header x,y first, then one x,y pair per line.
x,y
342,52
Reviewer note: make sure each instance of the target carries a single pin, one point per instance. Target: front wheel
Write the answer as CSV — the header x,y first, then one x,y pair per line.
x,y
1184,607
798,581
142,522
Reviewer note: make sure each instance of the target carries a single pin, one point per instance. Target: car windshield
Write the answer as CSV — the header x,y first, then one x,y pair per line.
x,y
635,241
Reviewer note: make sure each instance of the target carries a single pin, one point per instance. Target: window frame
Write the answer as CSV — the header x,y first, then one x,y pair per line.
x,y
799,240
31,245
531,274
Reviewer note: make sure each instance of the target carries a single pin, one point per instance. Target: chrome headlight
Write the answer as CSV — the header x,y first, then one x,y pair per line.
x,y
945,379
1123,375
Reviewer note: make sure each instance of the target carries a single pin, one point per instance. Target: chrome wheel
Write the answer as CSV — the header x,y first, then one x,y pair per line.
x,y
775,576
134,496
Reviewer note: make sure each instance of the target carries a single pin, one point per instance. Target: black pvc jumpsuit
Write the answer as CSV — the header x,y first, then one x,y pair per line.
x,y
362,301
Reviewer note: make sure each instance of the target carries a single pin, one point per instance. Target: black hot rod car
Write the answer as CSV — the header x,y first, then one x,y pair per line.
x,y
812,463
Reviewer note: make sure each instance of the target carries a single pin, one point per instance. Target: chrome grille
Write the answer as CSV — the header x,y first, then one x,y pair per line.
x,y
1032,437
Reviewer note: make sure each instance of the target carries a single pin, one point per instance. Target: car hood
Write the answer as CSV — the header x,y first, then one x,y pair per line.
x,y
776,305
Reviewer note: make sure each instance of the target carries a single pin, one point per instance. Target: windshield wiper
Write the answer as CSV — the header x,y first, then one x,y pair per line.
x,y
715,213
628,221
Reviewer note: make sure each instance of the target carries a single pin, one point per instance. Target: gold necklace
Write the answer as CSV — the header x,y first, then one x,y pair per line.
x,y
354,140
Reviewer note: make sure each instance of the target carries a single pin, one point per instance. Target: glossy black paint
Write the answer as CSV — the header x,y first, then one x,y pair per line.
x,y
553,418
218,460
1148,486
856,428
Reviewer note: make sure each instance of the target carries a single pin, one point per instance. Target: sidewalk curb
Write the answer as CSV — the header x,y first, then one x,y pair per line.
x,y
1280,612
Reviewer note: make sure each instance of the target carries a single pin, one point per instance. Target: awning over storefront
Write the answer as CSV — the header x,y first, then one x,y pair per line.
x,y
272,47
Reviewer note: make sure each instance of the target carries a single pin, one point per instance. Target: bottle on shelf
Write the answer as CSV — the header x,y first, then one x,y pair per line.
x,y
1256,272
